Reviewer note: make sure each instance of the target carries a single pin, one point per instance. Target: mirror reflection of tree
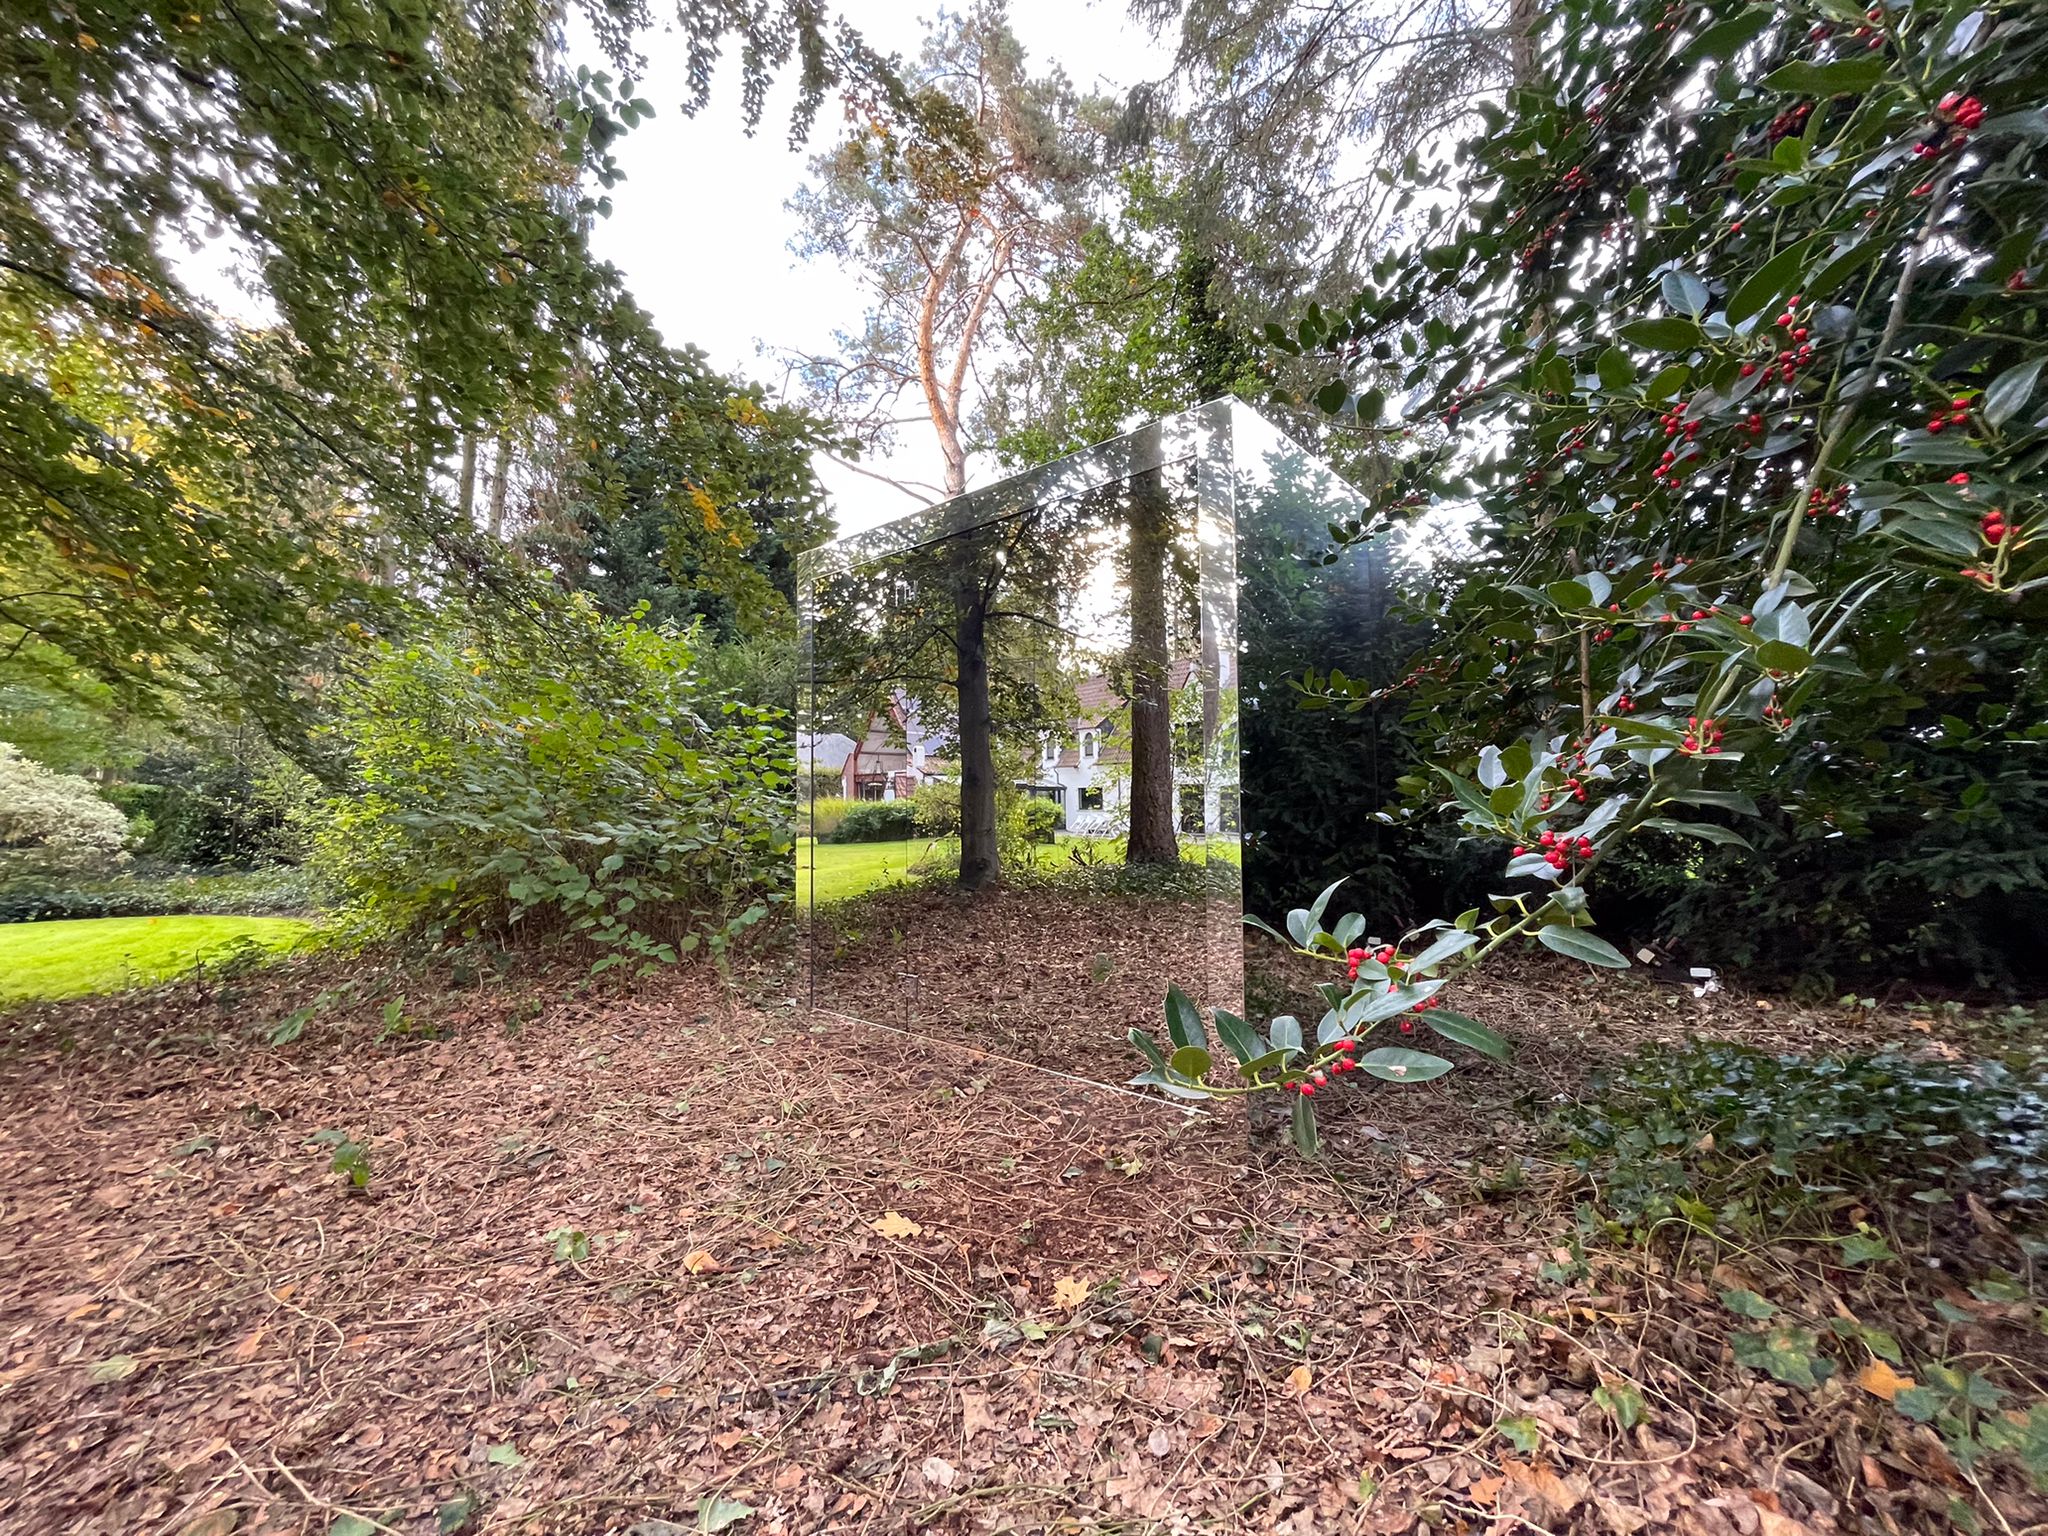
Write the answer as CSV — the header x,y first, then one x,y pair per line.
x,y
1327,772
970,632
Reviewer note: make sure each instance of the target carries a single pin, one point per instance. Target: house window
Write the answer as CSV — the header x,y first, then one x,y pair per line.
x,y
871,789
1090,746
1091,799
1052,750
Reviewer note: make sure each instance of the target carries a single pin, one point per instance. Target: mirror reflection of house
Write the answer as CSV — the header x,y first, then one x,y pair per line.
x,y
894,758
1086,770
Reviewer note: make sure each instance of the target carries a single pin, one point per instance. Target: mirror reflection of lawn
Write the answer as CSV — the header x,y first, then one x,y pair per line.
x,y
853,869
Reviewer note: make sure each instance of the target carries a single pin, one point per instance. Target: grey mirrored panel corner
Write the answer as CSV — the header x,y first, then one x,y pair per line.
x,y
1055,750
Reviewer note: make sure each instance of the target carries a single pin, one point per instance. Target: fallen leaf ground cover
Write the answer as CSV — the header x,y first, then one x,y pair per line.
x,y
672,1255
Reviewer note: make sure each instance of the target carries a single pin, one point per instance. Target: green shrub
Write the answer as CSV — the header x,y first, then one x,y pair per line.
x,y
1714,1131
938,810
160,892
822,816
876,821
1041,820
599,796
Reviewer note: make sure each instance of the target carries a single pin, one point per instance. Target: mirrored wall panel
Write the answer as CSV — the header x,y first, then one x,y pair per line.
x,y
1316,780
1018,725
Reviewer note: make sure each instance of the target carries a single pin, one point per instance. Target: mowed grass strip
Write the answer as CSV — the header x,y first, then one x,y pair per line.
x,y
76,957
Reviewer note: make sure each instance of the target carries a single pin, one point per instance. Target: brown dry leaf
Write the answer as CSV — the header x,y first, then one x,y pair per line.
x,y
894,1224
115,1197
700,1261
1485,1490
219,1522
1561,1495
1070,1291
1775,1524
1298,1380
249,1343
939,1472
974,1414
1880,1380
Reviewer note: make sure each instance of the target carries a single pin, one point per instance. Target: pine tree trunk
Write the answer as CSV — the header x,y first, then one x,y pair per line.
x,y
980,862
1152,839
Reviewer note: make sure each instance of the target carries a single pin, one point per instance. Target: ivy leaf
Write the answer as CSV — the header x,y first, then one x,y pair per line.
x,y
1865,1248
715,1512
1748,1304
1522,1432
1622,1403
1789,1354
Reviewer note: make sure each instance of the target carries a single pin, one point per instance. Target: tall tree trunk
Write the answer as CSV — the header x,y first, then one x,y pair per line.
x,y
468,483
980,862
499,482
1152,839
1523,18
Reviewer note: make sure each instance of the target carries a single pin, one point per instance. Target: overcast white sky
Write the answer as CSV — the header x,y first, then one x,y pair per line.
x,y
701,233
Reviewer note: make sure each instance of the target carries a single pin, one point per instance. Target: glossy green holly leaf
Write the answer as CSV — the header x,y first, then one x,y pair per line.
x,y
1467,1032
1238,1037
1184,1020
1581,945
1398,1064
1302,1126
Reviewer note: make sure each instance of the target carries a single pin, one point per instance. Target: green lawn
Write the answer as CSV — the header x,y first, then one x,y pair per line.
x,y
106,954
853,869
850,869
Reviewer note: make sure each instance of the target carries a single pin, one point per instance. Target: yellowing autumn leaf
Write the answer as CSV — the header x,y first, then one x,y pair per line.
x,y
1880,1380
894,1224
1070,1292
1298,1380
699,1261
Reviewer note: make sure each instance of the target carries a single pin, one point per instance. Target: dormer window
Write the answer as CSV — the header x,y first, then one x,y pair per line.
x,y
1051,750
1090,746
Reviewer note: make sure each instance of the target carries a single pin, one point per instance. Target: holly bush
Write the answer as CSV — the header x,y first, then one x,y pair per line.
x,y
1726,329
